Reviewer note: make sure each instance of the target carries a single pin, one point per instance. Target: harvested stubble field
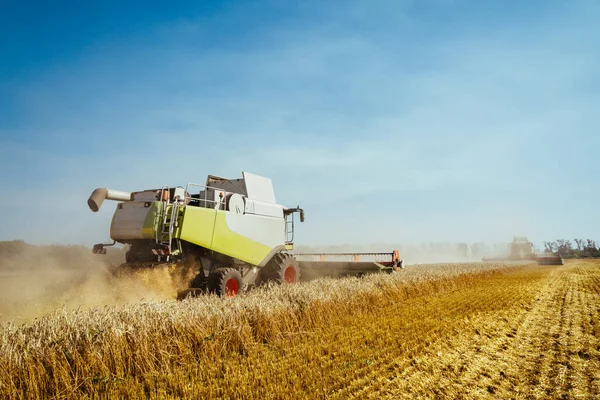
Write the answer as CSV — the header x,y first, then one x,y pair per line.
x,y
437,331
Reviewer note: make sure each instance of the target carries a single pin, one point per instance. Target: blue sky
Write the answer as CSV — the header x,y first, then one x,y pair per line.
x,y
388,121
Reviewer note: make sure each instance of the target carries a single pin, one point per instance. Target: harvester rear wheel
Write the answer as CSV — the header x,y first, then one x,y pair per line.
x,y
283,268
225,282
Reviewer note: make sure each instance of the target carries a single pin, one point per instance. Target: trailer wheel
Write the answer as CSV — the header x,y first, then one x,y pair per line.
x,y
225,282
283,268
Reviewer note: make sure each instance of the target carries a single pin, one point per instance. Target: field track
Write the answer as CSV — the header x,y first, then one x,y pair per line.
x,y
531,333
524,332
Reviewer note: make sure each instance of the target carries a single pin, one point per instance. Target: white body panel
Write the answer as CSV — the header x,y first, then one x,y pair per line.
x,y
262,208
259,188
269,231
249,204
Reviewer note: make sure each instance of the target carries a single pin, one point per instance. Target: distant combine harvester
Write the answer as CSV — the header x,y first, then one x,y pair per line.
x,y
522,249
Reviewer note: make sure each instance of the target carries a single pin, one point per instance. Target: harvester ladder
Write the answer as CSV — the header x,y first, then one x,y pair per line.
x,y
164,235
289,228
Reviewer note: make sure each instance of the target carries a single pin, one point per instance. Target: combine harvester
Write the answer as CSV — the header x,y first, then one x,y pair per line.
x,y
522,249
232,230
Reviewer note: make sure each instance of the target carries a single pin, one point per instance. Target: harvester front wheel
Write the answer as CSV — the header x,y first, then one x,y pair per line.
x,y
283,268
225,282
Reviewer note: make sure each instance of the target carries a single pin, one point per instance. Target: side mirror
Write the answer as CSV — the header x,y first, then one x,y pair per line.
x,y
301,215
99,249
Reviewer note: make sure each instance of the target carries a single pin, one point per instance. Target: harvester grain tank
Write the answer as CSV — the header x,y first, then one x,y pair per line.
x,y
232,229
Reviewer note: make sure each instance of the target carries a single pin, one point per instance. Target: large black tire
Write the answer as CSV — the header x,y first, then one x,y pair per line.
x,y
225,282
282,268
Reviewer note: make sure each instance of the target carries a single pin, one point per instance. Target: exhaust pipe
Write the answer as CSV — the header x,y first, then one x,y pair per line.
x,y
99,195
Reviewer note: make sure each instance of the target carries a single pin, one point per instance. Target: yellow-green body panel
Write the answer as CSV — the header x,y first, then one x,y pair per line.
x,y
151,220
235,245
208,228
198,225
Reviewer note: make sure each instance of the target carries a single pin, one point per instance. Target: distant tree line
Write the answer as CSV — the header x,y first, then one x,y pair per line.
x,y
583,248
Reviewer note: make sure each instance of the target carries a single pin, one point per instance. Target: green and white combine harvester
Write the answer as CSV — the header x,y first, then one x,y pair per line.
x,y
232,230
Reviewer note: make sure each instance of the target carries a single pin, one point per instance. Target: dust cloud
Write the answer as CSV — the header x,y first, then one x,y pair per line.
x,y
35,280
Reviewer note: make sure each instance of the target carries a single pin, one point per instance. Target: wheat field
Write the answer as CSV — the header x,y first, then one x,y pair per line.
x,y
430,331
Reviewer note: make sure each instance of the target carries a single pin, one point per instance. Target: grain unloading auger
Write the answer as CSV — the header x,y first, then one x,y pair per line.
x,y
231,230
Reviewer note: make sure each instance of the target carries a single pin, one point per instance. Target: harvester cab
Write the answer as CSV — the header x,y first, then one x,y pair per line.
x,y
521,249
233,229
